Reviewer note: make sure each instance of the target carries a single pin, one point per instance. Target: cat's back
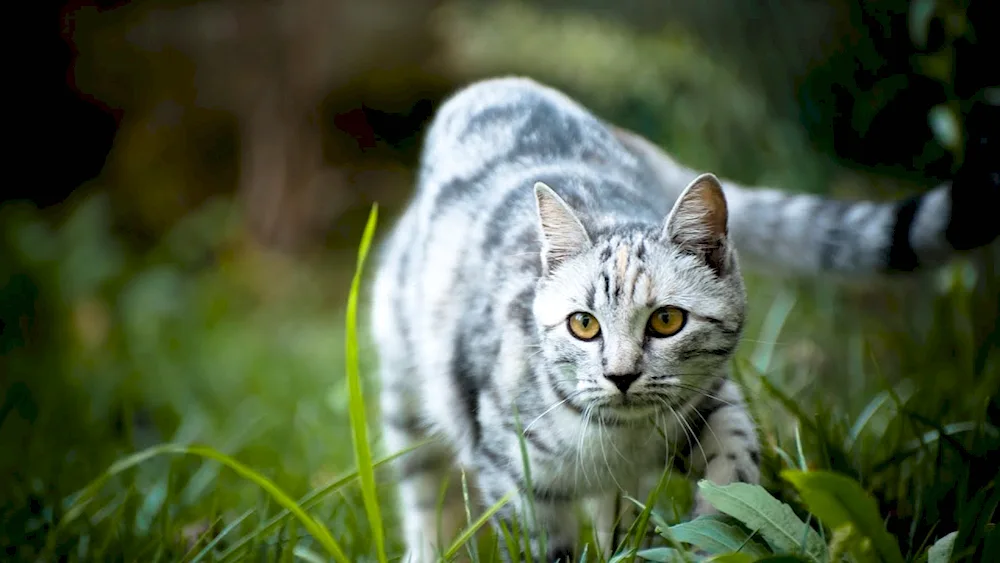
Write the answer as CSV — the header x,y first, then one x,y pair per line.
x,y
491,141
469,235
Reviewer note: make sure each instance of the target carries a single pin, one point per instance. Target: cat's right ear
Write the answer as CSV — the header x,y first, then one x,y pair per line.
x,y
562,233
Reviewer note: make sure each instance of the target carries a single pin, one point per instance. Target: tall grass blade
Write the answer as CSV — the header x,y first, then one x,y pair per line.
x,y
466,535
777,314
359,421
317,530
307,502
218,538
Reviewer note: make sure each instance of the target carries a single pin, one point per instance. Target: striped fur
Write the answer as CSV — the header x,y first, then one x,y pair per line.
x,y
809,234
529,209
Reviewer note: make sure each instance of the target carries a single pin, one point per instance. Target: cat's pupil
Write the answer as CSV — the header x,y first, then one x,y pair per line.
x,y
584,321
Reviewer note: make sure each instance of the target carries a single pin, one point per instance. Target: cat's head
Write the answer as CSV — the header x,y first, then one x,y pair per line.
x,y
637,320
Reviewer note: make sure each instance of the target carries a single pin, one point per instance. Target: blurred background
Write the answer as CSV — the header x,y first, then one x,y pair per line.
x,y
176,269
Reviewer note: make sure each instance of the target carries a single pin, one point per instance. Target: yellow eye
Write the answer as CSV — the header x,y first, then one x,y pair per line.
x,y
583,326
666,321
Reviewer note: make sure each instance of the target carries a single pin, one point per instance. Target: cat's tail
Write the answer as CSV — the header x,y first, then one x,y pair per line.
x,y
810,234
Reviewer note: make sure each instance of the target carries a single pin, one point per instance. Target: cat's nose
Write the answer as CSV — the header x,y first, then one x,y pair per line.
x,y
622,380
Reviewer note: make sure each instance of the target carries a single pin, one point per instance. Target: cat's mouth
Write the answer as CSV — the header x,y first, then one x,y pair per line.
x,y
630,406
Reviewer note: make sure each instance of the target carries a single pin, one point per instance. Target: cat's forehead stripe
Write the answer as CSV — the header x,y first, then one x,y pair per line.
x,y
622,261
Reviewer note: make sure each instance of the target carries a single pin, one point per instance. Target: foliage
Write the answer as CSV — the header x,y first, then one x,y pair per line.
x,y
140,505
877,404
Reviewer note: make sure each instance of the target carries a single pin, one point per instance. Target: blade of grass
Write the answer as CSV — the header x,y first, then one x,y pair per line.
x,y
439,511
873,406
81,499
317,530
785,457
307,502
473,552
790,405
774,321
510,537
307,555
917,445
218,538
470,531
528,484
359,421
945,436
803,464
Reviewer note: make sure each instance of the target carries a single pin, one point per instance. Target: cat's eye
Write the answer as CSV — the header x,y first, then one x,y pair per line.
x,y
583,326
666,321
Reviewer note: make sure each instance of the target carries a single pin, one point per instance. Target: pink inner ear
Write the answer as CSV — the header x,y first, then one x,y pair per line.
x,y
699,222
701,215
710,197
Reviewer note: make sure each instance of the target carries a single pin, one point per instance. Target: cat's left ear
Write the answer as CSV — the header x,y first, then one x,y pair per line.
x,y
562,233
698,223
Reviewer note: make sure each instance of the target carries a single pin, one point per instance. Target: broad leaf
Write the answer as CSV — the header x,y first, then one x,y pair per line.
x,y
660,555
773,520
717,537
838,500
732,558
940,552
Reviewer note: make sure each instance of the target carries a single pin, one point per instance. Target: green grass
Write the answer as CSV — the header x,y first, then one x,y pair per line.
x,y
200,402
359,420
876,473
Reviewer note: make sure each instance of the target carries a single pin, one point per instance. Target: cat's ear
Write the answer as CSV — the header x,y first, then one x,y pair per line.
x,y
698,223
562,233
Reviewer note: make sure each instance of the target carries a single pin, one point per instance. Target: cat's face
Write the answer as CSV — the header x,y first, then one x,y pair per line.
x,y
638,321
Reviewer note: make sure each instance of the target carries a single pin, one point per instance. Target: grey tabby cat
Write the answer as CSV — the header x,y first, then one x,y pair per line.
x,y
552,271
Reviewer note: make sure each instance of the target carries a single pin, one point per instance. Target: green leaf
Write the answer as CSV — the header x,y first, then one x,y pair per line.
x,y
921,14
621,556
946,126
732,558
659,554
359,420
717,537
773,520
940,552
838,500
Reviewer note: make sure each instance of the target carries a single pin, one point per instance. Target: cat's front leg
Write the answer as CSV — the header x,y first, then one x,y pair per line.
x,y
613,514
728,449
549,516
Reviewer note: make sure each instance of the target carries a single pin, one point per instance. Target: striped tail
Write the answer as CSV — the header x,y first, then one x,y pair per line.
x,y
809,234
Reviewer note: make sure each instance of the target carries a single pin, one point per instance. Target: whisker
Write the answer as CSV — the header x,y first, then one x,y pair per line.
x,y
684,429
604,454
579,448
718,442
690,432
705,393
776,342
547,411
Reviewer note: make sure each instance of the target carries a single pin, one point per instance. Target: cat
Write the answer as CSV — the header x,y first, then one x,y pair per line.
x,y
561,284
